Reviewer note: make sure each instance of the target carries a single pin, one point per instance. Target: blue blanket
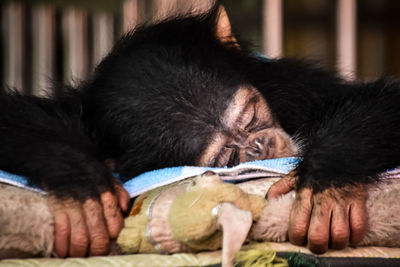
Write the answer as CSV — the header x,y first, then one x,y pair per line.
x,y
156,178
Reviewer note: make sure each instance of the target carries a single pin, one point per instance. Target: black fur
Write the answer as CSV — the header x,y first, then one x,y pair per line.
x,y
46,141
350,132
158,96
154,101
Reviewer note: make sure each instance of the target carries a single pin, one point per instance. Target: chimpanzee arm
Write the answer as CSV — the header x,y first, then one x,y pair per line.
x,y
357,138
352,140
348,133
40,141
48,145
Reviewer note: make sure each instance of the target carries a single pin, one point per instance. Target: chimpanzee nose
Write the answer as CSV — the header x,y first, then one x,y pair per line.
x,y
256,149
267,144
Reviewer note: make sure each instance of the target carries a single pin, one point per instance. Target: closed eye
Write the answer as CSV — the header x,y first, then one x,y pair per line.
x,y
246,117
252,124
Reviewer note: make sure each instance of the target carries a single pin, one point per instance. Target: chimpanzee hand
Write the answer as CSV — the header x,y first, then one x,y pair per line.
x,y
86,228
333,215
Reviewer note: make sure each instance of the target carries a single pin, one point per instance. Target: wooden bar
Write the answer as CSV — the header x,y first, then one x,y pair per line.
x,y
103,35
346,38
272,28
130,14
201,6
162,8
43,19
74,24
13,42
2,50
165,8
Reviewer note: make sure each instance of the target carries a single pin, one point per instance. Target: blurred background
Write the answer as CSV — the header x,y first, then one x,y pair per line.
x,y
43,42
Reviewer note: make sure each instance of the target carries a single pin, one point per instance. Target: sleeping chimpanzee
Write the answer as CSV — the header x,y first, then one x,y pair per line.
x,y
185,92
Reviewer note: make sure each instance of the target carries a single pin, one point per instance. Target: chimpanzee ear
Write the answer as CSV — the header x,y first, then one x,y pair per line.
x,y
223,27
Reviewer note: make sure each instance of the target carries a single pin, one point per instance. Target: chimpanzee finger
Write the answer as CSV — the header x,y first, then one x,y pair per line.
x,y
319,231
62,227
300,216
79,240
282,186
358,221
122,196
62,232
340,231
96,224
112,214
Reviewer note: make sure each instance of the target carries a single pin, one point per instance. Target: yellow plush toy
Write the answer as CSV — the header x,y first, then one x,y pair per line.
x,y
190,216
204,213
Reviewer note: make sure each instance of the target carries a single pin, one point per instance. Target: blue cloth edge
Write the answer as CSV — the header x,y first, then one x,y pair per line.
x,y
152,179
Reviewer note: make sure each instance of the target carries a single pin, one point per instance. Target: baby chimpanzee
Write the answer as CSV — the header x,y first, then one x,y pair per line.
x,y
185,92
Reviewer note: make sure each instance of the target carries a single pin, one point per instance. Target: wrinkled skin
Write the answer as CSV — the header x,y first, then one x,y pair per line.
x,y
247,132
85,229
332,218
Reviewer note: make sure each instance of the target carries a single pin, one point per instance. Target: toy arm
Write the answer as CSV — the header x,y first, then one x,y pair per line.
x,y
235,224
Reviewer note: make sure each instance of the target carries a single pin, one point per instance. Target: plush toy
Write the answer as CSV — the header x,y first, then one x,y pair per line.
x,y
188,217
204,213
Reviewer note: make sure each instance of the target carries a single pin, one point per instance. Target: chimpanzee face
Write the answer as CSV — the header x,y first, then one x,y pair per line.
x,y
249,133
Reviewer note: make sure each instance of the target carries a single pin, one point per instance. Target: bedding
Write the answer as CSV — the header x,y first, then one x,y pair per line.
x,y
25,235
361,256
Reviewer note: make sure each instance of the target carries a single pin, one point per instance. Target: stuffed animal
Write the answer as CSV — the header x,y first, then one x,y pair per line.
x,y
189,216
204,213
